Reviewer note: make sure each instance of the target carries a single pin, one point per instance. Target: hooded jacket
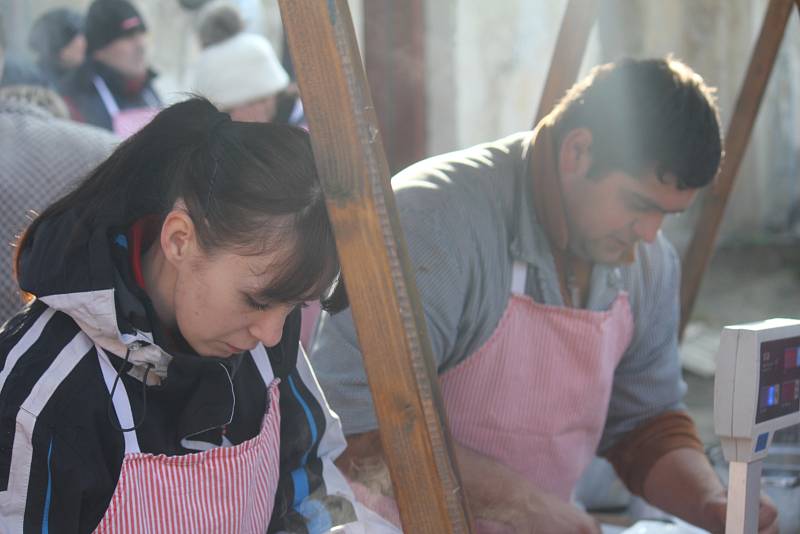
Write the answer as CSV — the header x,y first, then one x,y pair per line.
x,y
61,448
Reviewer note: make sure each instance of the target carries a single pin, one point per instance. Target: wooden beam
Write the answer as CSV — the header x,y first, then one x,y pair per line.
x,y
380,281
576,26
394,55
698,255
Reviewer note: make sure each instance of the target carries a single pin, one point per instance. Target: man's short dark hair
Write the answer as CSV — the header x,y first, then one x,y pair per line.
x,y
645,114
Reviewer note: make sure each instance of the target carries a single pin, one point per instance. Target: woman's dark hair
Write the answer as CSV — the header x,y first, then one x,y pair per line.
x,y
248,188
644,114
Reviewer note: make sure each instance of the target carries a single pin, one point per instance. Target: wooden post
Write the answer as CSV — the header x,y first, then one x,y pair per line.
x,y
576,26
394,56
698,255
380,281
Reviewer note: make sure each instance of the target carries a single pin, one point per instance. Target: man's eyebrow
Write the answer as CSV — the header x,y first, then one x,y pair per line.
x,y
649,204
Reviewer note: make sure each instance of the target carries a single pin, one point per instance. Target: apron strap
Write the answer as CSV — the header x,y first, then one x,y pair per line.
x,y
259,355
105,95
519,276
150,98
122,404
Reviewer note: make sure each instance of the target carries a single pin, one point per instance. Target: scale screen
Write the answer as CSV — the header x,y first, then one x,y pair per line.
x,y
779,382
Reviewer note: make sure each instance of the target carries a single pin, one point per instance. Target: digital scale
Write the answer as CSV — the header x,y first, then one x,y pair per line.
x,y
756,392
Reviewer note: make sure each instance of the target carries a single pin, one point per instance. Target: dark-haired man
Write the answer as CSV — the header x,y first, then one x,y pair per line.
x,y
551,302
113,88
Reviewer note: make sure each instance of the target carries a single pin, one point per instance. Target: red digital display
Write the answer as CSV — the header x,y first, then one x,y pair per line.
x,y
779,379
791,358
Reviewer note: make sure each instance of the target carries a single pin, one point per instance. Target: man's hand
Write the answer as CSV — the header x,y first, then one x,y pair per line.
x,y
716,506
497,493
683,483
547,514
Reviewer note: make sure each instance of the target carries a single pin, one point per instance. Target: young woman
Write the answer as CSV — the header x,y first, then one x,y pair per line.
x,y
155,382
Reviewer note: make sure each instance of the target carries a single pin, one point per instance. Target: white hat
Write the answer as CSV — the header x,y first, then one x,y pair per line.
x,y
239,70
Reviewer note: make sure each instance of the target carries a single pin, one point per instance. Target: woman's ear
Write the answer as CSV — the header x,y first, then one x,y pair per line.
x,y
178,236
575,154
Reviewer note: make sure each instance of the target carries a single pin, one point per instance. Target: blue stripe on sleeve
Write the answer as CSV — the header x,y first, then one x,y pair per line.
x,y
312,426
300,481
299,476
48,495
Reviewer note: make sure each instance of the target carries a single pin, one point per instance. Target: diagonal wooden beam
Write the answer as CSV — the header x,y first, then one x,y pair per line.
x,y
576,26
380,281
698,255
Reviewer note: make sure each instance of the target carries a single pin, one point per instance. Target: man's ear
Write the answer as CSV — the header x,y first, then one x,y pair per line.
x,y
575,154
178,236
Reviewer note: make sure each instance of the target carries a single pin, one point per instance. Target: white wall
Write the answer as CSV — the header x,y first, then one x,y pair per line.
x,y
489,82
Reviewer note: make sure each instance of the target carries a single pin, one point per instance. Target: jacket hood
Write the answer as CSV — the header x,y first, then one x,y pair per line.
x,y
84,270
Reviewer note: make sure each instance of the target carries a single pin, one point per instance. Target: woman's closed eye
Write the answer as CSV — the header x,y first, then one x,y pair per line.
x,y
257,305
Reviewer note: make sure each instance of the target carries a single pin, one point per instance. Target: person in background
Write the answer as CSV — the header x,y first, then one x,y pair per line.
x,y
57,38
155,382
218,20
236,70
17,71
41,155
113,88
551,301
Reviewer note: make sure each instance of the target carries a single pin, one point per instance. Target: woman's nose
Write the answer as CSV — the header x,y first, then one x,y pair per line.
x,y
267,327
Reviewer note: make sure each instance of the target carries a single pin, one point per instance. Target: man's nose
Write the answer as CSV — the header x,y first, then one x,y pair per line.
x,y
646,226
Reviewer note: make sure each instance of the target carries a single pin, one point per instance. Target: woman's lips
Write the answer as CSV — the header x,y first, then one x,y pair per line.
x,y
234,350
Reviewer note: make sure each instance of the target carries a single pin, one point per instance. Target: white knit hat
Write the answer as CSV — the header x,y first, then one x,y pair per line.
x,y
239,70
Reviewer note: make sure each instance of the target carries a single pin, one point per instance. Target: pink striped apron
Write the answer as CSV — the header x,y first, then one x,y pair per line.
x,y
535,396
221,490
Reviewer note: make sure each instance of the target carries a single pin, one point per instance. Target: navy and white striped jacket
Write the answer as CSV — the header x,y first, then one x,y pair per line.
x,y
60,444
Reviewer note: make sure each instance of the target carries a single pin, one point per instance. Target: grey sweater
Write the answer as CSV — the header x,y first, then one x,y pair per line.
x,y
467,217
